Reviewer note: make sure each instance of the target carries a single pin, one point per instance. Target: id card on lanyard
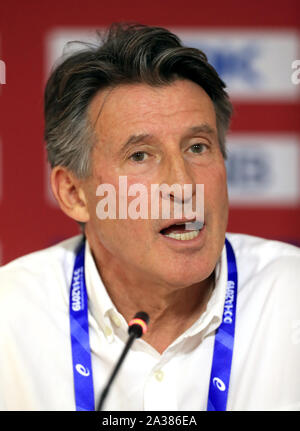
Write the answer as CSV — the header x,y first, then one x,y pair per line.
x,y
80,341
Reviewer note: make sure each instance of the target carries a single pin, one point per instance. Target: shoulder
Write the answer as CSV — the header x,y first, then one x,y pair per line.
x,y
39,277
268,268
263,252
268,323
254,245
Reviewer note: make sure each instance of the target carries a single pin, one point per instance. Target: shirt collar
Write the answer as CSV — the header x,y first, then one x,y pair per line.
x,y
100,304
108,318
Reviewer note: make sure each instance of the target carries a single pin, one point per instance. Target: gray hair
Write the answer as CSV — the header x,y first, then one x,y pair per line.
x,y
129,53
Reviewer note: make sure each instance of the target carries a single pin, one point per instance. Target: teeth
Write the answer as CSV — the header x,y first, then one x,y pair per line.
x,y
183,236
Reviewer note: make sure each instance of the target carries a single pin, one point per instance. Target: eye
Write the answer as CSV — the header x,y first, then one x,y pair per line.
x,y
198,148
139,156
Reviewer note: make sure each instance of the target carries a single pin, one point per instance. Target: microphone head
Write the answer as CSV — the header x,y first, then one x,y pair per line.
x,y
139,324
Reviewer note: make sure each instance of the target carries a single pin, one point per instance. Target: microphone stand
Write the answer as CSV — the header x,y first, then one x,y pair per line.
x,y
131,339
137,327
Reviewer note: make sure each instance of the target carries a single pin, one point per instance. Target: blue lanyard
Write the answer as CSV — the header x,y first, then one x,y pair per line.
x,y
223,349
80,342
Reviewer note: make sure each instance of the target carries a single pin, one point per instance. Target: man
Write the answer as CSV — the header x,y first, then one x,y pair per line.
x,y
223,316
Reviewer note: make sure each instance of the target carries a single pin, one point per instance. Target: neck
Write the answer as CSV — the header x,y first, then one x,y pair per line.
x,y
172,309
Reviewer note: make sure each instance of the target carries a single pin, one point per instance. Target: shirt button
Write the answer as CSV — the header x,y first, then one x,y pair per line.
x,y
107,331
116,320
159,375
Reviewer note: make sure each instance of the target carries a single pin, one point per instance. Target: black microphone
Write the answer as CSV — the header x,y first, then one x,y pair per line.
x,y
137,327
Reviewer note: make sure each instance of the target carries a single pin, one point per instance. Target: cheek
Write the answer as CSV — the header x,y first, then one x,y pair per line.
x,y
133,196
126,240
215,190
125,228
118,235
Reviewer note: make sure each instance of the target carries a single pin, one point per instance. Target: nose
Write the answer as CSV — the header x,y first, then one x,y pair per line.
x,y
179,179
177,192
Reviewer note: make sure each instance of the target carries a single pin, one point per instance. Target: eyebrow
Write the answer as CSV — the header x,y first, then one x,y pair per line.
x,y
202,128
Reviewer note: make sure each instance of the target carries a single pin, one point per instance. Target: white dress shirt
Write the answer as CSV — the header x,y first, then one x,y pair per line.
x,y
35,347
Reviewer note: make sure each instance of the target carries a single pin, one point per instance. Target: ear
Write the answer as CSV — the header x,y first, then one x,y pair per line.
x,y
69,194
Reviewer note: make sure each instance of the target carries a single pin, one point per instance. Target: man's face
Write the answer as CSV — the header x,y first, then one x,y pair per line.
x,y
156,135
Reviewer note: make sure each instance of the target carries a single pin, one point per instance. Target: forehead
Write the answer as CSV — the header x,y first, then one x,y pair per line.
x,y
142,108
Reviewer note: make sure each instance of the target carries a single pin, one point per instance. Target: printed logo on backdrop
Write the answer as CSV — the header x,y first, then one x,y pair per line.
x,y
263,169
254,64
296,73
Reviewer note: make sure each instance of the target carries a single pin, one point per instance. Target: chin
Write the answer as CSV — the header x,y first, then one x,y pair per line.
x,y
181,276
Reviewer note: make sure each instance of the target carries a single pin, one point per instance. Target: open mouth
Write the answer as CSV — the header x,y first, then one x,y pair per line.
x,y
183,231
